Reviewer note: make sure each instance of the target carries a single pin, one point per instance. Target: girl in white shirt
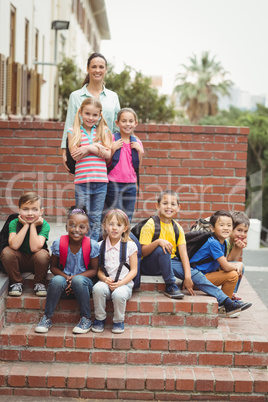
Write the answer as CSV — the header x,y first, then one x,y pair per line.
x,y
116,229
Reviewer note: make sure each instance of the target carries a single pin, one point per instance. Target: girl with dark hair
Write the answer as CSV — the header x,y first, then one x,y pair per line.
x,y
93,87
73,274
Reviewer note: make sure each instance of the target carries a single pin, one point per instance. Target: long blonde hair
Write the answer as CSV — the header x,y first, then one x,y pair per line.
x,y
103,134
122,218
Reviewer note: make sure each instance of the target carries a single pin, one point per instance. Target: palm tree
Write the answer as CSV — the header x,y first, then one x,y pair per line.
x,y
199,84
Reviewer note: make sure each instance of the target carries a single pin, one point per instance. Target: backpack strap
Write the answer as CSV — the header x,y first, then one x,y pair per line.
x,y
123,257
86,249
177,235
134,154
135,162
64,244
157,227
116,155
102,258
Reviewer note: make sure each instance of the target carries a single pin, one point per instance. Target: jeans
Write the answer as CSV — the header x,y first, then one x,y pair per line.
x,y
119,296
158,263
199,280
239,280
122,196
81,286
92,195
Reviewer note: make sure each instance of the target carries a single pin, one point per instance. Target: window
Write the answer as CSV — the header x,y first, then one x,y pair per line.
x,y
12,32
36,47
26,42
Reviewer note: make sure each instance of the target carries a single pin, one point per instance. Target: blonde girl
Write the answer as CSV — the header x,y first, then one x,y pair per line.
x,y
90,145
121,190
113,284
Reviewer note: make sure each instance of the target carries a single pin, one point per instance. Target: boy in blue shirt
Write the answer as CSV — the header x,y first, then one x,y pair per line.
x,y
221,225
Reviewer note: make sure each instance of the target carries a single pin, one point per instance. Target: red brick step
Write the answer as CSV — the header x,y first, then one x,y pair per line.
x,y
143,345
144,308
133,382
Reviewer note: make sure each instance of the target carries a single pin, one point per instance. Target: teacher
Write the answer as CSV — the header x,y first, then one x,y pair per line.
x,y
93,86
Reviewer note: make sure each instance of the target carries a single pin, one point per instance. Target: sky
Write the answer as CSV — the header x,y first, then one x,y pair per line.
x,y
157,36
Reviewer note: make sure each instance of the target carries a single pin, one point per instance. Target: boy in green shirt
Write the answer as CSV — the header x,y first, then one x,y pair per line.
x,y
27,249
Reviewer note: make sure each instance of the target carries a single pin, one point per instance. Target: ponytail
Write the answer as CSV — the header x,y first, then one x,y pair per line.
x,y
86,80
76,139
103,133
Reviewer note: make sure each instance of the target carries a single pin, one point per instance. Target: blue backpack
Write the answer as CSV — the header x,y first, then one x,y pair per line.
x,y
134,153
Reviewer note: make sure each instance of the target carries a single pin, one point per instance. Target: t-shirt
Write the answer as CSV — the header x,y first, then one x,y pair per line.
x,y
230,246
212,248
112,258
25,246
75,262
91,168
166,233
110,108
124,171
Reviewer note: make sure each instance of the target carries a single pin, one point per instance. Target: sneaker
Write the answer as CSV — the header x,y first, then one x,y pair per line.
x,y
98,325
173,291
83,326
15,289
118,327
44,325
222,313
236,306
244,305
40,289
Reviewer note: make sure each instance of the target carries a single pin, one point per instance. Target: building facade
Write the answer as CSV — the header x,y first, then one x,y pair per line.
x,y
33,40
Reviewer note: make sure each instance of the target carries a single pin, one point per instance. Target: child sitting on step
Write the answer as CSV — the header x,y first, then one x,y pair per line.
x,y
116,277
159,255
210,260
237,242
74,263
26,248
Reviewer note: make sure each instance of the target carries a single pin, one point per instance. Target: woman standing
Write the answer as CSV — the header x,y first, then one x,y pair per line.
x,y
93,86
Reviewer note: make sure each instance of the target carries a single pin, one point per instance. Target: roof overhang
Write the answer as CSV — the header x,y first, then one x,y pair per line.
x,y
99,11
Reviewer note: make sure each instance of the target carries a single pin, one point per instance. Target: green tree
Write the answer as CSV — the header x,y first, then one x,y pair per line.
x,y
257,157
135,90
69,80
199,85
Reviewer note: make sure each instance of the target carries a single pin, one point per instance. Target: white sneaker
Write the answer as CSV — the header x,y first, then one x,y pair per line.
x,y
40,289
15,289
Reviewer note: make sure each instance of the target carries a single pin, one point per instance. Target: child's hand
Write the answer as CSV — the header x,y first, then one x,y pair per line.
x,y
79,153
102,151
188,284
108,280
166,245
117,144
69,289
22,221
136,145
240,243
114,285
239,268
38,221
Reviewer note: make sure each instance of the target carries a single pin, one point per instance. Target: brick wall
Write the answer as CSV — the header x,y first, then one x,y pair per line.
x,y
205,164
